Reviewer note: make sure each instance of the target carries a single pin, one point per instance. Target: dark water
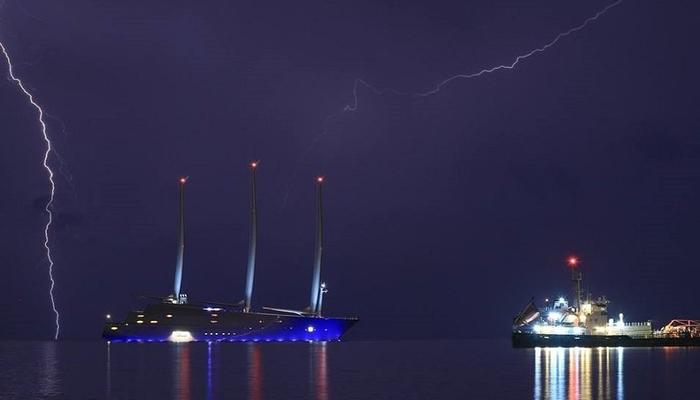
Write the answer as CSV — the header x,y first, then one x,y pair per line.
x,y
350,370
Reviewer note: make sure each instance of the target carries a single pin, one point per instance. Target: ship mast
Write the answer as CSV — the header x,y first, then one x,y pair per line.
x,y
250,274
576,280
316,291
180,245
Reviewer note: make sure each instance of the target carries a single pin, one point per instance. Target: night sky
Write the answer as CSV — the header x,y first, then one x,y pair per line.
x,y
444,214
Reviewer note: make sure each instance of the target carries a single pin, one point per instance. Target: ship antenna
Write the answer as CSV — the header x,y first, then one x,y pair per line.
x,y
316,278
250,274
180,244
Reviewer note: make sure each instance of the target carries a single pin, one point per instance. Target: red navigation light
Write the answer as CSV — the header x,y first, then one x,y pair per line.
x,y
573,261
183,180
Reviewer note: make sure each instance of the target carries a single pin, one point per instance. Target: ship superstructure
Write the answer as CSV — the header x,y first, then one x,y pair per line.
x,y
176,318
588,322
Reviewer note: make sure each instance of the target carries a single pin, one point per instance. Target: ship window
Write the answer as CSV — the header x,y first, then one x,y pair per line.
x,y
140,315
139,322
215,315
114,328
169,316
153,321
213,321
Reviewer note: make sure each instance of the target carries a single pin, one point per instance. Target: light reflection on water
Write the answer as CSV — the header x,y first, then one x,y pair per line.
x,y
108,371
435,370
48,382
182,370
578,373
255,371
318,371
209,372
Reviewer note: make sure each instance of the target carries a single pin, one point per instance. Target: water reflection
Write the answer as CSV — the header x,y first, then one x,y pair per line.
x,y
48,380
210,393
255,379
620,373
318,371
207,370
108,371
182,372
578,373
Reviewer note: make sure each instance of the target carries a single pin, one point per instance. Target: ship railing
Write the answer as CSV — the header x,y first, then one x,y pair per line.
x,y
648,323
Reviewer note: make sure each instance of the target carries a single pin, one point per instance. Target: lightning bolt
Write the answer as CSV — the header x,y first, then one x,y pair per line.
x,y
50,173
358,83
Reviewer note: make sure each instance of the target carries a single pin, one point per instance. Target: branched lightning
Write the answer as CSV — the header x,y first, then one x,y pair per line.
x,y
522,56
49,204
359,82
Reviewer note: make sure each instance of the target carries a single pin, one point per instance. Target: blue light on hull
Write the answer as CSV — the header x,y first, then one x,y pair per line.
x,y
135,337
230,327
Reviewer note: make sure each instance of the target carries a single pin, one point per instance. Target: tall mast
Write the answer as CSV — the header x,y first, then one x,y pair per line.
x,y
576,280
180,242
316,278
250,274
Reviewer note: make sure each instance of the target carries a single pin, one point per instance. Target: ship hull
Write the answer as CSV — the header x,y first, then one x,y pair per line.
x,y
185,323
529,340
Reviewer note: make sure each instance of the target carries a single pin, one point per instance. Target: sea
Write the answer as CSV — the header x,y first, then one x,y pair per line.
x,y
357,370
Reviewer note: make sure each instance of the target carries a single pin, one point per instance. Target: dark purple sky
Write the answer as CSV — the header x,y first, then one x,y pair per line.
x,y
444,214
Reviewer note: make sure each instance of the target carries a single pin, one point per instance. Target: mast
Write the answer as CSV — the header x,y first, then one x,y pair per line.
x,y
316,277
576,281
250,274
180,243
